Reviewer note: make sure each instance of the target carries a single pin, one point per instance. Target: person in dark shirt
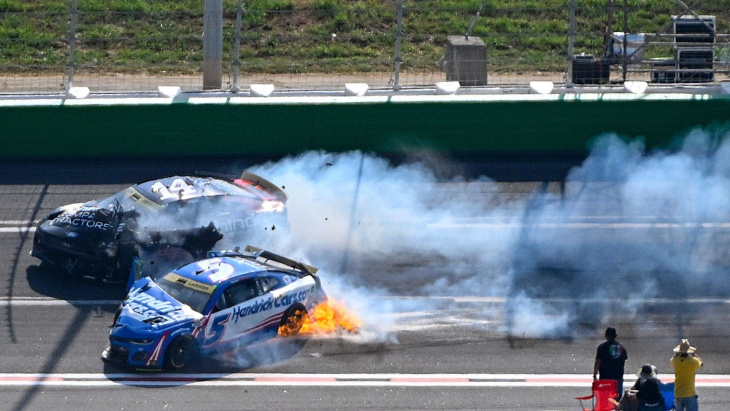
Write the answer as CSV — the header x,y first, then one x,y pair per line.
x,y
610,359
648,394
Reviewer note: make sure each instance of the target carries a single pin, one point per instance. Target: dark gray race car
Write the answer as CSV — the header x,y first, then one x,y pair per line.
x,y
170,221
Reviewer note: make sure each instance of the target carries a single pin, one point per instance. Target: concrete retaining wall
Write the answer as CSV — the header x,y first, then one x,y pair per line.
x,y
271,127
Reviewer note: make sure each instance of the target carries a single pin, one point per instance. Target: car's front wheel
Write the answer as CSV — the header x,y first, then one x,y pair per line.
x,y
293,320
181,353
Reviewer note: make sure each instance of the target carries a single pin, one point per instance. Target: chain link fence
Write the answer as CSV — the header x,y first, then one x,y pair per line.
x,y
136,46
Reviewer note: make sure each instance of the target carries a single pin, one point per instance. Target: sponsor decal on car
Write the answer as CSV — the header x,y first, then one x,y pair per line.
x,y
144,307
240,224
192,284
271,302
163,307
85,217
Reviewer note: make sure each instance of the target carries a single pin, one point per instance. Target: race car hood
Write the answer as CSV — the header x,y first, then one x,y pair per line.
x,y
83,222
149,309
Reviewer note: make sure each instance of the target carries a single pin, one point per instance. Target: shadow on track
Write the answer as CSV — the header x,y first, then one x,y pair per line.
x,y
52,283
510,167
24,238
115,170
67,341
236,360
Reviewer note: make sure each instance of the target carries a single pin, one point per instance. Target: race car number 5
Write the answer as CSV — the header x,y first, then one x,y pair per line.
x,y
178,189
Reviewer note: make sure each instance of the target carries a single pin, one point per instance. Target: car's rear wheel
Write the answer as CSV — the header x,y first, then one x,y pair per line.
x,y
293,320
181,353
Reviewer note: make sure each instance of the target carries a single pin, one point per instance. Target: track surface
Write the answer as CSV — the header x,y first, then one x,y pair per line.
x,y
446,353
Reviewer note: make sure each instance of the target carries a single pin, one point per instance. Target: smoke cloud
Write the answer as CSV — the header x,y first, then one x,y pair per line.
x,y
625,224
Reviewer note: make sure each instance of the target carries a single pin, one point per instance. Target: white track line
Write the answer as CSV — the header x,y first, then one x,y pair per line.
x,y
322,380
49,301
17,229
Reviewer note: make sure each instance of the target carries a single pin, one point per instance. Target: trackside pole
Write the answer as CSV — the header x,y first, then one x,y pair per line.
x,y
398,40
571,38
237,48
212,44
72,46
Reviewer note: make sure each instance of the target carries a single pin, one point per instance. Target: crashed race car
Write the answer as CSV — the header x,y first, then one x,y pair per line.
x,y
211,306
172,220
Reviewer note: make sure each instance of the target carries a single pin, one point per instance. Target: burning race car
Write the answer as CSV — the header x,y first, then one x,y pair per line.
x,y
175,219
211,306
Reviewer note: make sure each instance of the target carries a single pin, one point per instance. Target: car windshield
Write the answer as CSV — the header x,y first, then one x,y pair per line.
x,y
123,198
192,293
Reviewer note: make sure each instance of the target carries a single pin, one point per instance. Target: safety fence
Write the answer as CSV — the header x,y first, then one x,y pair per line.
x,y
136,46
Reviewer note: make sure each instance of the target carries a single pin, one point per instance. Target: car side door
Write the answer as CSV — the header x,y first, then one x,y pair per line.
x,y
246,310
252,308
227,319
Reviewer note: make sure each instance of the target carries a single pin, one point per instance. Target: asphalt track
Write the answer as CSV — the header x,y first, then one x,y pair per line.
x,y
447,353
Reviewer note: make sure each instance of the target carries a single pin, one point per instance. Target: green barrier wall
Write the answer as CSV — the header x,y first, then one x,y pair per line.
x,y
385,127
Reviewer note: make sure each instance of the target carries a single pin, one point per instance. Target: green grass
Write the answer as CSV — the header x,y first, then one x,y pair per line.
x,y
297,35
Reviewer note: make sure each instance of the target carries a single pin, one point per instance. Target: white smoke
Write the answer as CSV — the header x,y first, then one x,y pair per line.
x,y
632,227
628,226
351,209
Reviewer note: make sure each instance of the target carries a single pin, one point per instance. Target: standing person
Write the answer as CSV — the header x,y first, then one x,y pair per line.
x,y
610,359
686,363
648,395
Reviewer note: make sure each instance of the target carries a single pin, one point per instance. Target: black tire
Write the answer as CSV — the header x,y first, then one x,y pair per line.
x,y
181,353
293,319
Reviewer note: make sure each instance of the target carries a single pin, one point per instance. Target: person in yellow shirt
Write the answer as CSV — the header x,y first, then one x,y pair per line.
x,y
686,363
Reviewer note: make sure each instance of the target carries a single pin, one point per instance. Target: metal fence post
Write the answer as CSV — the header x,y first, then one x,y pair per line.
x,y
237,48
72,46
571,38
212,44
398,40
624,59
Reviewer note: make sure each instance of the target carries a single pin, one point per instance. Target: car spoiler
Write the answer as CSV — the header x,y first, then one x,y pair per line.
x,y
268,255
266,184
254,179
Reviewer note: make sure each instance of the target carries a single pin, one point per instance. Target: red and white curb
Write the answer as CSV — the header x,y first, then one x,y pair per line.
x,y
339,380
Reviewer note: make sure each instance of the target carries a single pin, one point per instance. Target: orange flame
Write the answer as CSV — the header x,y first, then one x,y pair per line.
x,y
327,317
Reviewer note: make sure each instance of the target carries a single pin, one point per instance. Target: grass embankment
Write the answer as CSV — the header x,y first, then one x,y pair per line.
x,y
313,35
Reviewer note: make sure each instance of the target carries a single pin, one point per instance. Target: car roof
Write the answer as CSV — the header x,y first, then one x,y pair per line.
x,y
189,187
230,265
219,270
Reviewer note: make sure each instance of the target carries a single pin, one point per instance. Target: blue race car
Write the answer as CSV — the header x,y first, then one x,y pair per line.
x,y
210,306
